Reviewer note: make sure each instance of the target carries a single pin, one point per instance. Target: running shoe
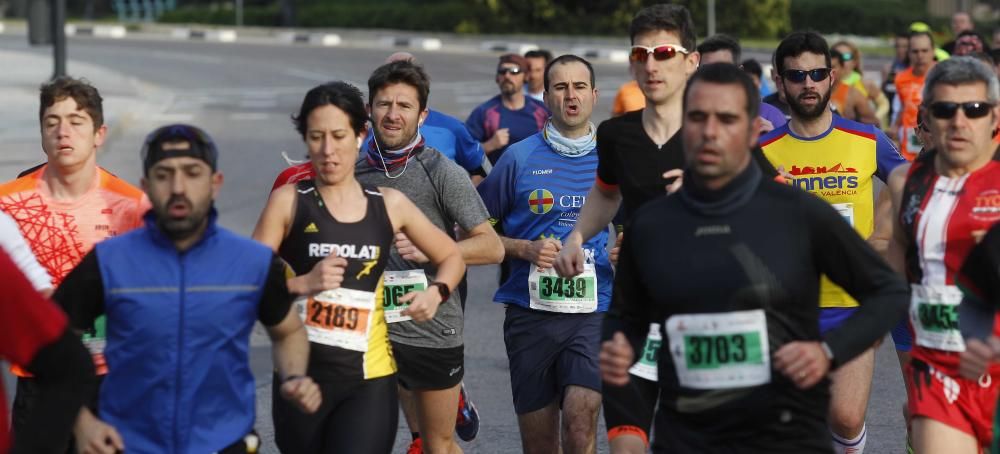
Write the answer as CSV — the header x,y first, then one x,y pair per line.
x,y
467,422
416,447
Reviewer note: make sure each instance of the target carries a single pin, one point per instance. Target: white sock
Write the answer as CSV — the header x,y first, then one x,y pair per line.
x,y
855,445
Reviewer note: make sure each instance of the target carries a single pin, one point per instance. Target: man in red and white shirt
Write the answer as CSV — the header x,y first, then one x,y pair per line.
x,y
944,202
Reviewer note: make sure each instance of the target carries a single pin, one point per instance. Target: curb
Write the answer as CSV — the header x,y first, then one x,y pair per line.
x,y
221,35
99,31
429,44
318,39
507,47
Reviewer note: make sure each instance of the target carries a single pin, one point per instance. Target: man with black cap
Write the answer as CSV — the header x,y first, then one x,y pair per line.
x,y
509,117
181,295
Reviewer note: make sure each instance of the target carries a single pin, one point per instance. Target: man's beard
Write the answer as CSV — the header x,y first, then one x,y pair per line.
x,y
180,229
808,113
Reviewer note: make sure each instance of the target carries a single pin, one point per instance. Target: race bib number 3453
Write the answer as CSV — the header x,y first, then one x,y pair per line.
x,y
338,318
720,351
934,317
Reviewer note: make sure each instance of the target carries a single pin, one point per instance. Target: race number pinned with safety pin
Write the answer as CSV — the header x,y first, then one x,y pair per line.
x,y
846,211
338,318
934,317
645,367
572,295
395,285
720,351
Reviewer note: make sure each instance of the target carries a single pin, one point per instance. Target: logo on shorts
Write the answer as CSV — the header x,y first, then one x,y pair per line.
x,y
454,371
540,201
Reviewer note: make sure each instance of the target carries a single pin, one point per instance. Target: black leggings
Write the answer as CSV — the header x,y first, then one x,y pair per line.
x,y
360,417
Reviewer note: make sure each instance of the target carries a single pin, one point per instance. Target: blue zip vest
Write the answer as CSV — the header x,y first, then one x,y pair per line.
x,y
178,333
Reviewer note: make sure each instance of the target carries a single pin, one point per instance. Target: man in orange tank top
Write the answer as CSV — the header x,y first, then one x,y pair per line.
x,y
68,204
909,84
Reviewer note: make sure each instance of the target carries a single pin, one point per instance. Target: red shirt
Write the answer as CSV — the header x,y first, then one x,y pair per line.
x,y
28,322
294,174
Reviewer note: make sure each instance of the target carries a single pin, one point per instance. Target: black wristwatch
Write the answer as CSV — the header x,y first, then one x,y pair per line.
x,y
442,289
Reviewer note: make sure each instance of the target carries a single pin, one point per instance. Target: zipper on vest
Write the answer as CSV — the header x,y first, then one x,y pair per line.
x,y
180,351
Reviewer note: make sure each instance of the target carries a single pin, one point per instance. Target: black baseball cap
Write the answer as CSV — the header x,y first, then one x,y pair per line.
x,y
202,147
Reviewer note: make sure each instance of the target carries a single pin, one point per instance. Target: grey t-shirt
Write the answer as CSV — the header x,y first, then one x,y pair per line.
x,y
443,191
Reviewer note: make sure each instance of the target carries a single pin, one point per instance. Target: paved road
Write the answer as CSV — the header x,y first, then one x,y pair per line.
x,y
243,94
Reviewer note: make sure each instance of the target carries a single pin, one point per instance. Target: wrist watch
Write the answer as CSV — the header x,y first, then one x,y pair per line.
x,y
442,289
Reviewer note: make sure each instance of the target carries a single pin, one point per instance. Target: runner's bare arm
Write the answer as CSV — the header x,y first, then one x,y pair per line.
x,y
541,252
439,247
864,111
275,219
290,350
882,235
896,249
481,246
600,208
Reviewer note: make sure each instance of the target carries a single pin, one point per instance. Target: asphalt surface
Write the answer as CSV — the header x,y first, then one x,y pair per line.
x,y
244,94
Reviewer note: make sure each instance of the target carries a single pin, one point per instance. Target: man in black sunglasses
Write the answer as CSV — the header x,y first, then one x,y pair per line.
x,y
943,203
509,117
835,159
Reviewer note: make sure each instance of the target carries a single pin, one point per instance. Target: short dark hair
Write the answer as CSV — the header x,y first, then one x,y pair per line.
x,y
979,36
752,67
719,42
570,58
798,43
341,95
727,74
927,34
539,53
666,17
86,96
400,72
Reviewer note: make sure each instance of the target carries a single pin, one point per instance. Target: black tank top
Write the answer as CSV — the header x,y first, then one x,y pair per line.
x,y
315,234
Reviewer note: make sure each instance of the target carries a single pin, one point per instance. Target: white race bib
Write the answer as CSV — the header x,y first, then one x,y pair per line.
x,y
645,367
720,351
338,318
396,284
912,141
934,316
846,211
574,295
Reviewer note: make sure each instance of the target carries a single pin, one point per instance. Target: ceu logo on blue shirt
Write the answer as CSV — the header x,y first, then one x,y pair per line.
x,y
540,201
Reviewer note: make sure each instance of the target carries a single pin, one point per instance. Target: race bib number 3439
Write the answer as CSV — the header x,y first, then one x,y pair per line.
x,y
720,351
338,318
549,292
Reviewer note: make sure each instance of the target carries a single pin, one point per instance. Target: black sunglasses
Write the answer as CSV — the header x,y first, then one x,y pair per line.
x,y
973,109
798,75
502,71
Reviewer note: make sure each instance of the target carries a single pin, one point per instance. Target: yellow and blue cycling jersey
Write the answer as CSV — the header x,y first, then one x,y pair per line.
x,y
838,166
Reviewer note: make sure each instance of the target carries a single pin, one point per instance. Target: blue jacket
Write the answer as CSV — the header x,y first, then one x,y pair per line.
x,y
178,332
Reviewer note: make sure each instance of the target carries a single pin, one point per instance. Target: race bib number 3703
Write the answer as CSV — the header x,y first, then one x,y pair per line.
x,y
720,351
338,318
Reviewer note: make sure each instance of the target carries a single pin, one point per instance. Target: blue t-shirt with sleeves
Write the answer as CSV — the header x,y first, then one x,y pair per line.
x,y
534,193
491,116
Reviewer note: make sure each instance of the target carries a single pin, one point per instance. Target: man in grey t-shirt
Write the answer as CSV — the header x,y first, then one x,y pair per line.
x,y
429,355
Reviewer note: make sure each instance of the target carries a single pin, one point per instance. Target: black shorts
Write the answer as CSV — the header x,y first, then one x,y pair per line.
x,y
429,369
25,403
629,409
548,352
784,428
355,417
